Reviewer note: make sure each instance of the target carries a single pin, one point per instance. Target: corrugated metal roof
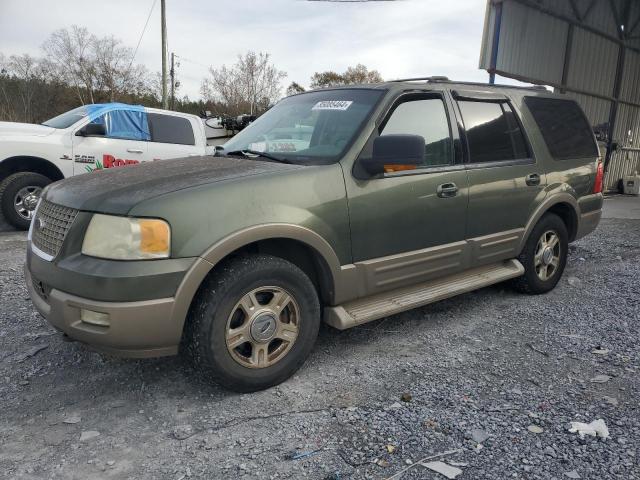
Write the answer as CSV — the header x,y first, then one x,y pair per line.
x,y
593,62
531,43
630,89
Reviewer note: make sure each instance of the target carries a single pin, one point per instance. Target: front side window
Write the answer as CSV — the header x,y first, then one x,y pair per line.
x,y
310,128
170,129
428,119
493,133
125,124
565,129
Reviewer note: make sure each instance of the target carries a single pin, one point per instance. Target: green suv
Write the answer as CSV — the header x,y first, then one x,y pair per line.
x,y
344,205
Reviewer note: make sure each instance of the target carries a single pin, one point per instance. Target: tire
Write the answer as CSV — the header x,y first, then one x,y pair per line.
x,y
11,188
217,309
532,282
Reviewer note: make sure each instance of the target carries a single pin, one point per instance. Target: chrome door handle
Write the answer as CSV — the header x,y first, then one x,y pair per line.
x,y
447,190
133,150
532,179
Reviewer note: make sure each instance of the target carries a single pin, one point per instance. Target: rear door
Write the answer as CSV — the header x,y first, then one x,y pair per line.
x,y
125,142
409,225
506,182
172,136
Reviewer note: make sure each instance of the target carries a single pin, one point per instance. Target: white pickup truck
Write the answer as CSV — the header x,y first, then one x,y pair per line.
x,y
84,139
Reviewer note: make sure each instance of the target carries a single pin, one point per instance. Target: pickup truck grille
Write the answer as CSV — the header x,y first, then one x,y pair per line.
x,y
51,225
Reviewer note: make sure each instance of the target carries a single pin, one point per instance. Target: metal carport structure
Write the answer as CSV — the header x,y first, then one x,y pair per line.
x,y
587,49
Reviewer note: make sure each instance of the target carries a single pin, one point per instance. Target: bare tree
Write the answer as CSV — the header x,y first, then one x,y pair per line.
x,y
71,51
95,66
352,75
251,84
294,88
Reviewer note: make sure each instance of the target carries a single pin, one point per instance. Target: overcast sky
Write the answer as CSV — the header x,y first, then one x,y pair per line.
x,y
403,38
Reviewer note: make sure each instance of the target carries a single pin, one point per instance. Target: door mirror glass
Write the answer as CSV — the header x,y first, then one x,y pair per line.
x,y
395,150
93,130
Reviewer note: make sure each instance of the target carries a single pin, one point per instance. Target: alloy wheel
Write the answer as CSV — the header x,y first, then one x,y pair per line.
x,y
26,200
262,327
547,255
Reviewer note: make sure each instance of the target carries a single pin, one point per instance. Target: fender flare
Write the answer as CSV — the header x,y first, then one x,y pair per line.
x,y
543,208
241,238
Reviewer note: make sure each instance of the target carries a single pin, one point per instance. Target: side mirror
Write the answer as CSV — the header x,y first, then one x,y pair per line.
x,y
395,150
93,130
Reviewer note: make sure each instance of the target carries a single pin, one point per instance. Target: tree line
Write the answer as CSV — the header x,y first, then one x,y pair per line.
x,y
77,67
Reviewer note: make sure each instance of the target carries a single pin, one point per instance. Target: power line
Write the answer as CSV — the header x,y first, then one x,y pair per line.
x,y
142,34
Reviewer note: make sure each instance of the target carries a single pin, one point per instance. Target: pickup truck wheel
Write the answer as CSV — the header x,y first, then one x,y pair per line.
x,y
544,256
19,195
253,323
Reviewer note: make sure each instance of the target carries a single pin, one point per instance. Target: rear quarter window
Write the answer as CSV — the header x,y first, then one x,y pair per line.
x,y
170,129
563,126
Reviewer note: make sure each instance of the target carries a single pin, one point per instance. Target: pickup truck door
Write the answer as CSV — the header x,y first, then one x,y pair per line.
x,y
409,225
120,146
173,136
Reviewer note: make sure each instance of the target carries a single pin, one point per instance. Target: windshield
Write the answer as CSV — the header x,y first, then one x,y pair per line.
x,y
67,119
314,127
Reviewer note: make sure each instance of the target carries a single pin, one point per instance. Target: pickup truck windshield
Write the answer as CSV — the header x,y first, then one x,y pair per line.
x,y
311,128
67,119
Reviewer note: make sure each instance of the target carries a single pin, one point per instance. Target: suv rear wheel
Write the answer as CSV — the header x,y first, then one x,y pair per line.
x,y
19,195
253,323
544,256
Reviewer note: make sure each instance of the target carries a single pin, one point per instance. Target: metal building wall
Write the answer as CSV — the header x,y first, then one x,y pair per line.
x,y
587,49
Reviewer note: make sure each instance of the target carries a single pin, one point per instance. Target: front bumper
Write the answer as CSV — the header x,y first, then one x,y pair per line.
x,y
145,328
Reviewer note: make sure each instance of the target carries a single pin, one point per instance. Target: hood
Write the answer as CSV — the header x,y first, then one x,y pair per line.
x,y
24,129
117,190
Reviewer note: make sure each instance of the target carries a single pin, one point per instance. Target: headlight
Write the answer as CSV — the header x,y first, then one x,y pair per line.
x,y
123,238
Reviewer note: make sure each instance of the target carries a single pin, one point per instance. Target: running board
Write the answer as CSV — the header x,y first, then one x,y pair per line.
x,y
363,310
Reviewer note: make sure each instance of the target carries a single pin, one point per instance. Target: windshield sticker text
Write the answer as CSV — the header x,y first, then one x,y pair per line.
x,y
332,105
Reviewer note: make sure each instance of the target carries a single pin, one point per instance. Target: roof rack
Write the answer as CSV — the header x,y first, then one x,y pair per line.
x,y
442,78
435,78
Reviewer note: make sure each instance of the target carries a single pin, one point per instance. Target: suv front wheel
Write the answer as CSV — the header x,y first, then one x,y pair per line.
x,y
544,256
253,323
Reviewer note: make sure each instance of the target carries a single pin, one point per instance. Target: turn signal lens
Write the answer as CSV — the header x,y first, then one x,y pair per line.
x,y
154,237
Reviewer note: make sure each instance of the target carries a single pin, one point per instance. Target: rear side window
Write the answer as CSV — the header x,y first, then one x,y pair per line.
x,y
427,118
169,129
493,132
564,127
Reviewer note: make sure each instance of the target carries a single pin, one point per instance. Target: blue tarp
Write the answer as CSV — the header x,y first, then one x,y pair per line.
x,y
121,120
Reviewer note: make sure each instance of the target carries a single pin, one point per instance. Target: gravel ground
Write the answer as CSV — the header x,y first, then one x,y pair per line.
x,y
470,375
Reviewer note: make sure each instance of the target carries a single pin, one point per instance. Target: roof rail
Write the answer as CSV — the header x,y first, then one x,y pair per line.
x,y
435,78
442,78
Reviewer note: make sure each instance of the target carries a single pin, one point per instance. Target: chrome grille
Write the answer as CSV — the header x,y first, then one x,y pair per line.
x,y
51,224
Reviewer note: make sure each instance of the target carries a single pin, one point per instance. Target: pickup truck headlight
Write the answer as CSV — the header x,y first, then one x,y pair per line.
x,y
124,238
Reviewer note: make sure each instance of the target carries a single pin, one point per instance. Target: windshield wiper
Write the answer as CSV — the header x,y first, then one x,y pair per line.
x,y
248,153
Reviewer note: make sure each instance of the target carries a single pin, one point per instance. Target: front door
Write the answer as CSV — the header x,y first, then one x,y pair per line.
x,y
124,143
409,225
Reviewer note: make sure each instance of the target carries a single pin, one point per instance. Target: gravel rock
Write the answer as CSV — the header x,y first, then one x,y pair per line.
x,y
465,361
88,435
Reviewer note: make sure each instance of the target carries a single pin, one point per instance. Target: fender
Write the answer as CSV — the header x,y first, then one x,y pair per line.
x,y
241,238
550,201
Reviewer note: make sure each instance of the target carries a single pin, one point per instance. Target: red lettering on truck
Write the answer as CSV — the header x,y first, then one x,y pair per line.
x,y
109,161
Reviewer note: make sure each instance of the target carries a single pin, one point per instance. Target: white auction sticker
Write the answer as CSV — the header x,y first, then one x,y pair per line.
x,y
332,105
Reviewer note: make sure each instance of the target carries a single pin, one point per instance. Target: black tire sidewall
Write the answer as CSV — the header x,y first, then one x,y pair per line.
x,y
548,222
246,275
10,187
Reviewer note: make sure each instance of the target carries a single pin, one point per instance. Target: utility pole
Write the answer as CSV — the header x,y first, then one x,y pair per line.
x,y
172,75
163,29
